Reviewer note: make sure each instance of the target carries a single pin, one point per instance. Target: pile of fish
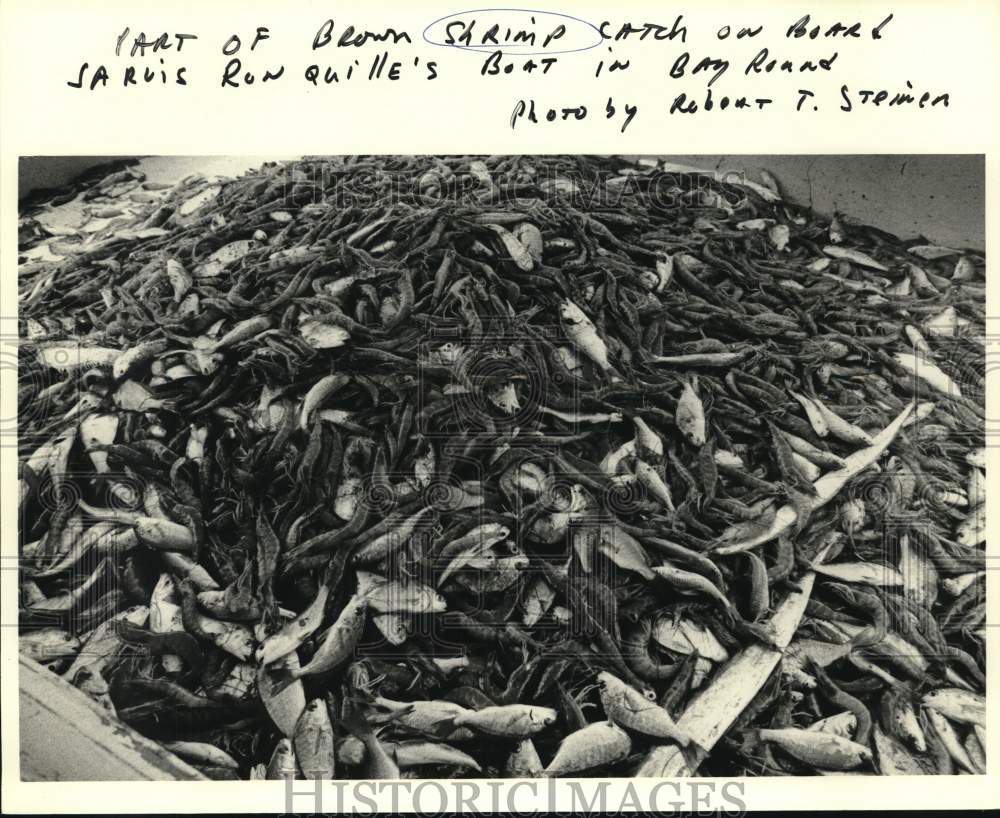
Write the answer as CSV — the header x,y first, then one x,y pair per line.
x,y
388,467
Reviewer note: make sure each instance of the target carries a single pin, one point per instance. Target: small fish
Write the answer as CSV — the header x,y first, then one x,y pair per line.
x,y
690,415
233,638
283,703
90,679
581,332
104,643
313,742
920,577
647,443
505,398
919,342
434,718
389,542
624,551
664,271
724,457
949,738
583,417
964,270
538,598
713,359
840,724
134,397
630,709
512,721
929,373
893,756
806,468
854,256
500,575
154,531
165,617
226,255
779,235
380,764
323,335
393,626
202,753
596,745
852,515
392,596
350,751
295,632
531,238
932,251
902,287
179,278
611,462
865,573
340,640
523,761
975,489
97,432
820,749
199,200
901,718
958,705
654,484
814,415
517,251
972,530
976,458
976,751
754,224
135,357
282,765
48,645
841,428
418,753
685,636
69,358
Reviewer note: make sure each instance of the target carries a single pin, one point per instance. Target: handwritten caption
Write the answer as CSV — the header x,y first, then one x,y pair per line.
x,y
696,72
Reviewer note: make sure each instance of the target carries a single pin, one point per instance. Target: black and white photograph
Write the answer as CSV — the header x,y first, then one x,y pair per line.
x,y
501,466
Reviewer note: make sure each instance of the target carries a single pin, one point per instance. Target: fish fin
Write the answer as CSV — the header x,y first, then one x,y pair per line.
x,y
279,678
353,720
